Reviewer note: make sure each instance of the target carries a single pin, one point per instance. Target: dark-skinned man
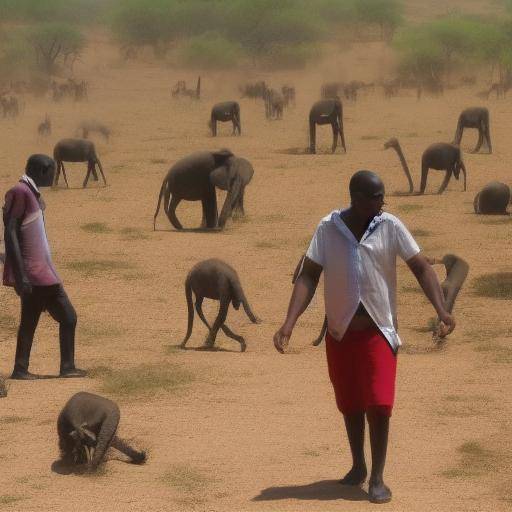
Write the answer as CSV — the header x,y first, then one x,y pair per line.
x,y
29,269
356,248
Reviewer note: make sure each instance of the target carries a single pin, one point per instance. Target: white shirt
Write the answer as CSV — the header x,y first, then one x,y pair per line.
x,y
362,271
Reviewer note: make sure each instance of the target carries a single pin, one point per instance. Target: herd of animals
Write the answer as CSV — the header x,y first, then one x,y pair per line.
x,y
87,424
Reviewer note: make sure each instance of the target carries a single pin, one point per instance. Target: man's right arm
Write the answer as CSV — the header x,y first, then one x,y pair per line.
x,y
303,291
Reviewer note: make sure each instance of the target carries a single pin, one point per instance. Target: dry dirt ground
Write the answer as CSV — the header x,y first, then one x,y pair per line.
x,y
227,431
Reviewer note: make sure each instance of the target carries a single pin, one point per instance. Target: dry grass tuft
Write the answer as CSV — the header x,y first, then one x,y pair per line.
x,y
475,460
184,478
96,227
133,234
9,420
8,499
93,267
496,286
408,208
370,137
266,244
143,379
420,233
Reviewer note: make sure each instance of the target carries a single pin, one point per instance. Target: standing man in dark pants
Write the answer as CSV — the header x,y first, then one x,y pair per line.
x,y
29,268
357,249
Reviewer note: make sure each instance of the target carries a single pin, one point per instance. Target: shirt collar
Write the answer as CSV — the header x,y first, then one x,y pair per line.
x,y
338,222
31,183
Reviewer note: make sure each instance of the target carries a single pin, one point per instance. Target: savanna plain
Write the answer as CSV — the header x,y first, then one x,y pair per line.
x,y
227,431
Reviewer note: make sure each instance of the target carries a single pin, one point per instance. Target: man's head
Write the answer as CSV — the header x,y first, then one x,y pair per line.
x,y
41,168
366,193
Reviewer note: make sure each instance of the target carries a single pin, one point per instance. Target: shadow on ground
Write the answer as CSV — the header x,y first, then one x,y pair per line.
x,y
323,490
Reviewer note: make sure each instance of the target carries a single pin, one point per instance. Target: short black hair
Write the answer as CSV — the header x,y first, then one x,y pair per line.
x,y
366,183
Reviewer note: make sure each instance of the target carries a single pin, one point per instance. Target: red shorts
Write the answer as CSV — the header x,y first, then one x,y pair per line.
x,y
362,369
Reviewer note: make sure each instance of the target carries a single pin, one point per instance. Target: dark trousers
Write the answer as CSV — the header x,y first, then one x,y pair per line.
x,y
54,300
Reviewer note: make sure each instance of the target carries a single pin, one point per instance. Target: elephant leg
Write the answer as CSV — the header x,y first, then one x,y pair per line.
x,y
228,332
488,137
342,136
98,163
210,213
199,309
446,180
335,131
214,127
312,136
463,169
233,121
480,140
458,134
64,174
171,212
87,175
221,318
424,174
57,173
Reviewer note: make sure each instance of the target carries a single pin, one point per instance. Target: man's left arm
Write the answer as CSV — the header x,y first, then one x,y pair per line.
x,y
428,281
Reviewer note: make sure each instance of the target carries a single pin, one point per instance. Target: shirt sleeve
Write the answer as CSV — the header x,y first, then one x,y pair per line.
x,y
15,204
406,245
316,250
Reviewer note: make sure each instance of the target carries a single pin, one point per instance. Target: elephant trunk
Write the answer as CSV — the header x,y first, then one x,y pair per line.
x,y
405,167
163,189
188,295
107,432
138,457
232,197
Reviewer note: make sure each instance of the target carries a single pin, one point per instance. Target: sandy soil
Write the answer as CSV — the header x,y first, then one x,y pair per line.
x,y
259,430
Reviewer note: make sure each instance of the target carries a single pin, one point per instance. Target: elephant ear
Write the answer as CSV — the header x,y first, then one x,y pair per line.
x,y
220,177
221,156
234,190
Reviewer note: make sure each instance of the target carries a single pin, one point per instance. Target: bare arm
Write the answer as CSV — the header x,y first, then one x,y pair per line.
x,y
428,281
303,291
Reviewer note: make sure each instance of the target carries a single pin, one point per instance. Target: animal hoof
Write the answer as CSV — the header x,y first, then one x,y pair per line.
x,y
243,347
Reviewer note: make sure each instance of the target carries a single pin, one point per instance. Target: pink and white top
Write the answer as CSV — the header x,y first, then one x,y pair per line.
x,y
22,202
361,272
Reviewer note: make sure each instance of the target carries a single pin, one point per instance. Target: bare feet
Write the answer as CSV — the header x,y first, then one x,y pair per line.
x,y
379,492
356,476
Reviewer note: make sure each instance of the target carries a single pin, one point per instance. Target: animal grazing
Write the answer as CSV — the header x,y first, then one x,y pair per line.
x,y
440,156
91,125
274,104
44,128
331,90
253,90
456,272
77,150
288,93
87,427
10,106
323,330
493,199
192,179
329,111
180,89
474,117
215,279
223,112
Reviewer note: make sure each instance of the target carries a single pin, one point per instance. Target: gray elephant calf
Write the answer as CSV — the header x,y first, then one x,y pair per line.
x,y
87,427
493,199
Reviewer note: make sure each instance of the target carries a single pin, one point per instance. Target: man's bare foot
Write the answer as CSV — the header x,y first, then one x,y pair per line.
x,y
356,476
379,492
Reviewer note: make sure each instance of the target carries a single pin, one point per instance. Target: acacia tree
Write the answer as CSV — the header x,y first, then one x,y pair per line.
x,y
386,14
55,43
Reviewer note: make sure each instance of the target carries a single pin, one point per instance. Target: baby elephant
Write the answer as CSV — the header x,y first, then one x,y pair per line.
x,y
215,279
493,199
87,427
227,111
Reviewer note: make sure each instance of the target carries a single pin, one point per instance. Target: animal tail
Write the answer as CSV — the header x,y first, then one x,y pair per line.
x,y
163,189
188,295
138,457
198,88
241,298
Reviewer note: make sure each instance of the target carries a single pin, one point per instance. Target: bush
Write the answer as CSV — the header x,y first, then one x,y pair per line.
x,y
209,51
290,56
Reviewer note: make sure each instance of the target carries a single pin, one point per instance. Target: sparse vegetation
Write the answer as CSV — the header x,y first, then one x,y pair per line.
x,y
91,267
496,286
8,499
133,234
184,478
96,227
475,460
420,233
12,419
408,207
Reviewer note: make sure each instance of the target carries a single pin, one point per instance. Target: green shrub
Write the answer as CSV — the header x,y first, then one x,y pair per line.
x,y
209,51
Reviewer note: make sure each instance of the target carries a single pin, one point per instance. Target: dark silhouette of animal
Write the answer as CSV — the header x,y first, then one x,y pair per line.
x,y
222,177
493,199
274,104
44,128
391,88
180,89
190,179
474,117
440,156
215,279
456,272
296,274
87,427
91,125
77,150
323,112
253,90
331,90
288,93
10,106
223,112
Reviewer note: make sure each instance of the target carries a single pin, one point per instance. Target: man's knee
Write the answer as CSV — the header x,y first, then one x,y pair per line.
x,y
70,319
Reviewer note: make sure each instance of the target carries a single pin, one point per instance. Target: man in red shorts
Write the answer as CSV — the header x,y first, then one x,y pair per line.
x,y
29,269
356,248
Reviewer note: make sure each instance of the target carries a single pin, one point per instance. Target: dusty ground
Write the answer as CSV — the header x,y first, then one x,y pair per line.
x,y
255,431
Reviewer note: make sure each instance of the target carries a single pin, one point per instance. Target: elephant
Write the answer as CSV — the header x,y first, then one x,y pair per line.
x,y
438,156
222,176
331,90
91,125
43,167
493,199
226,111
274,104
253,90
296,274
474,117
215,279
327,111
180,89
456,272
77,150
288,92
191,179
44,128
87,427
